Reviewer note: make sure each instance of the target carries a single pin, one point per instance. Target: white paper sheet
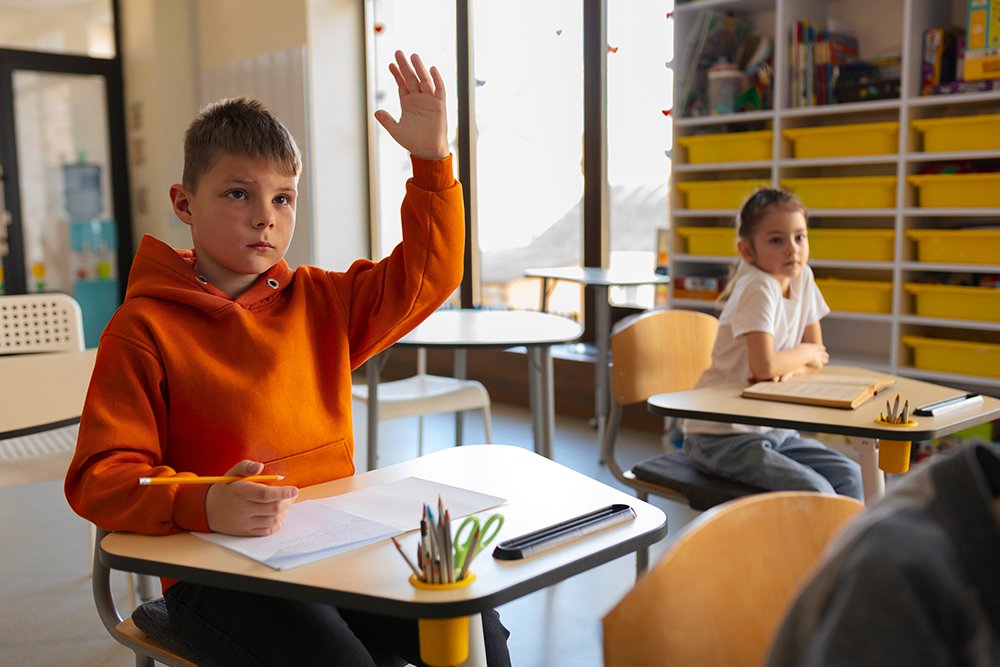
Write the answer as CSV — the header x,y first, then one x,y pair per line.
x,y
316,529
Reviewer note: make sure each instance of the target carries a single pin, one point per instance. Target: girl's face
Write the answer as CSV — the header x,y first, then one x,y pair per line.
x,y
778,245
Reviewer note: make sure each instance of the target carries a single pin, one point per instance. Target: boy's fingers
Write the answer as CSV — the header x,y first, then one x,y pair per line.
x,y
426,85
438,82
409,77
398,76
386,120
246,467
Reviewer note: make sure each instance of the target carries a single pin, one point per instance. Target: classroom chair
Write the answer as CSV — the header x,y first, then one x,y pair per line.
x,y
426,394
719,595
653,353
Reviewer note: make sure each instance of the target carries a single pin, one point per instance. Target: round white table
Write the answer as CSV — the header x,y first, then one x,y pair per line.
x,y
461,329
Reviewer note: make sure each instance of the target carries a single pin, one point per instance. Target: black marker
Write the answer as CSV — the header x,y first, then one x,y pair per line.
x,y
562,532
945,404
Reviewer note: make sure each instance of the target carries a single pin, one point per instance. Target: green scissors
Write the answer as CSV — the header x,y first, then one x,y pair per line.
x,y
465,550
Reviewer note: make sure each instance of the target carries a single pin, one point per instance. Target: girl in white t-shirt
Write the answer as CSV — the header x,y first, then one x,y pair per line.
x,y
769,330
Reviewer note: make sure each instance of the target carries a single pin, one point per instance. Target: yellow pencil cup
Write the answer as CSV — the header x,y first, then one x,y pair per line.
x,y
894,455
443,641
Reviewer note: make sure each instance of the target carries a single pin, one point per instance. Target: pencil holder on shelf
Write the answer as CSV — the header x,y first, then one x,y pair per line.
x,y
894,455
443,641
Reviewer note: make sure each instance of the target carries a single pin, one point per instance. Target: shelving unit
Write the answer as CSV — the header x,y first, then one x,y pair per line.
x,y
869,339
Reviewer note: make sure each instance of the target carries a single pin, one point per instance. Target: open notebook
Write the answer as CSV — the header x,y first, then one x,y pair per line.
x,y
825,389
316,529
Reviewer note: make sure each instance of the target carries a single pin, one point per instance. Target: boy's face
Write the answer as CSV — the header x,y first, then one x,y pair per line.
x,y
242,217
779,245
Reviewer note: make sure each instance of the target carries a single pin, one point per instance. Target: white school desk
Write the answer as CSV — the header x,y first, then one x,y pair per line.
x,y
373,578
724,404
600,279
461,329
44,391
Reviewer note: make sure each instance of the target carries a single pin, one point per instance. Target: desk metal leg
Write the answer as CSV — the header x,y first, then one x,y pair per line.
x,y
602,338
459,371
372,374
872,478
542,398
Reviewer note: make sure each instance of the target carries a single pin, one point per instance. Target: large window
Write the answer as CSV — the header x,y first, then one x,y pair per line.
x,y
426,27
640,85
527,60
72,27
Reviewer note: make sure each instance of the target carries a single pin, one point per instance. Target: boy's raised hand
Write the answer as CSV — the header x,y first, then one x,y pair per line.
x,y
247,508
422,128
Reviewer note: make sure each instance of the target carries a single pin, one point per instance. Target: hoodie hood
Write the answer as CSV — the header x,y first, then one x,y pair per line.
x,y
161,272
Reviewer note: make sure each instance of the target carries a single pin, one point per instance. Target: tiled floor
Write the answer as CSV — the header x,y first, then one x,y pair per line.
x,y
47,615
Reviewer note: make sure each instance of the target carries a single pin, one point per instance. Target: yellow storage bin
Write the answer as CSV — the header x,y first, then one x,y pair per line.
x,y
870,245
863,296
714,241
963,133
956,301
955,356
844,140
717,194
979,190
957,246
845,192
728,147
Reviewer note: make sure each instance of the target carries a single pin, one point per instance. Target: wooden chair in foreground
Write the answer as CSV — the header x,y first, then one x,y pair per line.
x,y
718,596
658,352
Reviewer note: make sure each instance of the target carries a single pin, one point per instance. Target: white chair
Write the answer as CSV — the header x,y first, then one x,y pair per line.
x,y
425,394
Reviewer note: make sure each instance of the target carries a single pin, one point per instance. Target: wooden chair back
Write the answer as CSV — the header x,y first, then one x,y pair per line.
x,y
720,593
660,351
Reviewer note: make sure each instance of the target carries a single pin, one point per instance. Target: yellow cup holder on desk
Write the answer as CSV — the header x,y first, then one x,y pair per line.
x,y
894,455
443,641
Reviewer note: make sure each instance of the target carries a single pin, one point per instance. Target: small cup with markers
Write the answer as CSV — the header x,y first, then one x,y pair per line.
x,y
894,455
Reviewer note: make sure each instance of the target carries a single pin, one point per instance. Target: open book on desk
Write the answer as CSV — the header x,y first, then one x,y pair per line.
x,y
825,389
316,529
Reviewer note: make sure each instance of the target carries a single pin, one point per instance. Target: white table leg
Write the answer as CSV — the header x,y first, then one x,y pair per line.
x,y
459,371
542,398
602,338
872,477
477,645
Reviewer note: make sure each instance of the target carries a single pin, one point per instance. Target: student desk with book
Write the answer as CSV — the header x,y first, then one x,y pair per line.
x,y
463,328
538,491
726,404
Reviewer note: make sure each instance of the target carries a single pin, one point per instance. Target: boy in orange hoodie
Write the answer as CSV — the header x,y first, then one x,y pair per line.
x,y
223,360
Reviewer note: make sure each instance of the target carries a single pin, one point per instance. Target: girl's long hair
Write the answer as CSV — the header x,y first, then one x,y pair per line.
x,y
752,212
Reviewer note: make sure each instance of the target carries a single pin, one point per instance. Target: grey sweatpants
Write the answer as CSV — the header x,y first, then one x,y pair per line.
x,y
778,460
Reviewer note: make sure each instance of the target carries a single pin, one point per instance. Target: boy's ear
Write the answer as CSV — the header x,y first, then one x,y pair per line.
x,y
181,200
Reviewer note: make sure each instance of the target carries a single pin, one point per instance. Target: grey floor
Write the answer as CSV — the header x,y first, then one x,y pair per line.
x,y
47,615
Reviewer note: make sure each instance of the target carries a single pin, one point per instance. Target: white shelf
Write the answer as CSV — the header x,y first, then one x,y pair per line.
x,y
695,304
950,268
875,338
982,325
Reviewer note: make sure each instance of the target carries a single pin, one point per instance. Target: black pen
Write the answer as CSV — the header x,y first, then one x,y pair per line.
x,y
946,404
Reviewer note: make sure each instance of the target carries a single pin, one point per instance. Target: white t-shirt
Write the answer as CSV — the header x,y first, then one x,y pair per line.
x,y
757,305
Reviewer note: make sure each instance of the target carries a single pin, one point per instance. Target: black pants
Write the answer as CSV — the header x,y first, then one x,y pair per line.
x,y
227,628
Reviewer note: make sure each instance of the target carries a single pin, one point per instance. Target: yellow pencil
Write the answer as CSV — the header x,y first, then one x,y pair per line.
x,y
220,479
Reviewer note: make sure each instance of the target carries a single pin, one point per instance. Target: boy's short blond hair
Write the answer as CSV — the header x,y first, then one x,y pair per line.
x,y
237,126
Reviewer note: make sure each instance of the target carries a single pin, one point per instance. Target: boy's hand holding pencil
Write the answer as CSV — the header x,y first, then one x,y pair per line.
x,y
252,510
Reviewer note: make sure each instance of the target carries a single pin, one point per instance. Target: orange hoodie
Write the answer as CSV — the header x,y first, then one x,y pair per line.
x,y
189,380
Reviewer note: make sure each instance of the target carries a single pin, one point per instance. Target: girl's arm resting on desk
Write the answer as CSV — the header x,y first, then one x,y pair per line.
x,y
766,363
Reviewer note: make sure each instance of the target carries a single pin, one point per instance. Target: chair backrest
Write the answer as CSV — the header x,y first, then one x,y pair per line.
x,y
719,594
660,351
40,323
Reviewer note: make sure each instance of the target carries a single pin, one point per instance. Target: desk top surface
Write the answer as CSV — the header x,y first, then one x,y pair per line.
x,y
539,493
591,275
42,390
725,404
468,327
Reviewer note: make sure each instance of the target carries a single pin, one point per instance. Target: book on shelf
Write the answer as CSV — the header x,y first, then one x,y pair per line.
x,y
825,389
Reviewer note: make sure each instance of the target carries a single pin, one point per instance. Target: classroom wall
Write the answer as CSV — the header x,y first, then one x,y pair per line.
x,y
168,44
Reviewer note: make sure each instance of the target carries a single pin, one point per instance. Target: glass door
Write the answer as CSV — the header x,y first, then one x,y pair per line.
x,y
62,151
